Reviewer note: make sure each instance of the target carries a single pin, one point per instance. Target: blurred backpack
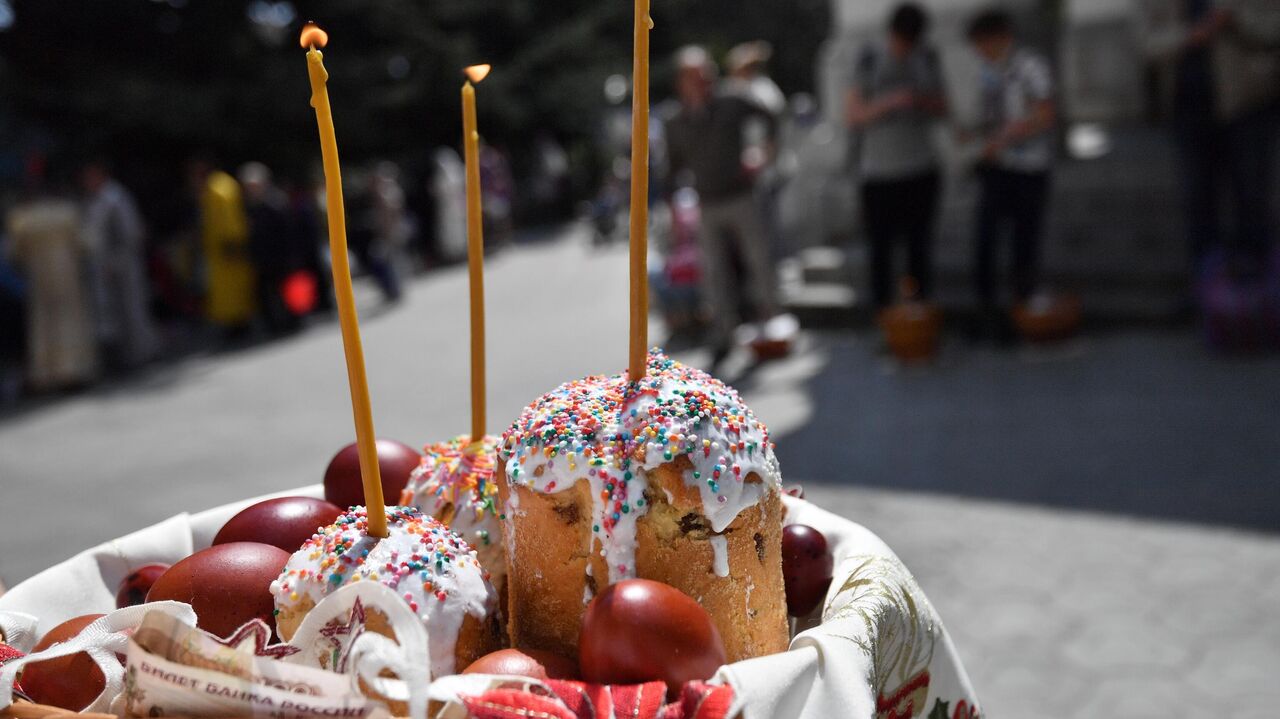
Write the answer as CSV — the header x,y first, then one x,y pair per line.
x,y
1240,314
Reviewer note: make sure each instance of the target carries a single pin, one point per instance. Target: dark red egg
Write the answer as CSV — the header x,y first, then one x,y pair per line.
x,y
343,485
525,663
284,522
806,568
71,682
227,585
639,630
133,588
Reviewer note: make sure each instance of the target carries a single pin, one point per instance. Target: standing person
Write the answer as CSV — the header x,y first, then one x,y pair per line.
x,y
13,326
46,243
379,228
746,63
748,78
224,235
499,187
896,97
272,245
1223,60
304,219
705,140
116,236
1017,155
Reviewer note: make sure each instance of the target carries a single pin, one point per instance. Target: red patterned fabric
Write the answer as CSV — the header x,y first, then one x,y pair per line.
x,y
576,700
8,653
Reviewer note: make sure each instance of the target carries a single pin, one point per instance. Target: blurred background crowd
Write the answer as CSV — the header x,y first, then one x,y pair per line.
x,y
832,162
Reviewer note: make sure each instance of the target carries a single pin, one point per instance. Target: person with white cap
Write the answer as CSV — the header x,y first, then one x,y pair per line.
x,y
706,146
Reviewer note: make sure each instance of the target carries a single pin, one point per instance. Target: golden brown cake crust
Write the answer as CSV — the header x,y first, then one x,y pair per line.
x,y
674,546
549,582
668,477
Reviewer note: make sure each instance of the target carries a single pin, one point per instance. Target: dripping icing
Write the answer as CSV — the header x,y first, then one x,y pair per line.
x,y
720,554
432,568
610,432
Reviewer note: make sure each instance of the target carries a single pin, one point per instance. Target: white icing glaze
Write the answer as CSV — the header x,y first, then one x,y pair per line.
x,y
429,567
720,553
610,433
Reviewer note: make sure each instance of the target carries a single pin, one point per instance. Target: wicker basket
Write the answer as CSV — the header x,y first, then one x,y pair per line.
x,y
30,710
896,606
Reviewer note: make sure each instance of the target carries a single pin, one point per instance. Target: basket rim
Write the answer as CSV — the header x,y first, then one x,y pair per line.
x,y
26,709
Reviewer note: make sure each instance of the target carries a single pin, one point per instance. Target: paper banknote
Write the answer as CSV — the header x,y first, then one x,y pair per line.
x,y
174,669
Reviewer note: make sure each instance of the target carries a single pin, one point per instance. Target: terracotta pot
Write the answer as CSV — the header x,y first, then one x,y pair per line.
x,y
911,330
766,349
1047,318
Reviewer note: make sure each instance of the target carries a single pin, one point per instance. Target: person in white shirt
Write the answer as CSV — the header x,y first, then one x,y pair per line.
x,y
1017,155
892,107
115,234
747,77
1218,63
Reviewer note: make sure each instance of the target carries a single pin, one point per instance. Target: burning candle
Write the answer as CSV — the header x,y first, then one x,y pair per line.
x,y
475,246
312,38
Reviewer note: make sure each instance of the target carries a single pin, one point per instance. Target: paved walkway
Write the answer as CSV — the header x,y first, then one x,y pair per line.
x,y
1057,612
1068,614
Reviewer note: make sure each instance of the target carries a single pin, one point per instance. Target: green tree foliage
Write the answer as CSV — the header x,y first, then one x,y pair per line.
x,y
150,81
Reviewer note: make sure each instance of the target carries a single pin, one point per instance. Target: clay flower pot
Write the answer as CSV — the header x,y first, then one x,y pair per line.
x,y
1047,318
911,327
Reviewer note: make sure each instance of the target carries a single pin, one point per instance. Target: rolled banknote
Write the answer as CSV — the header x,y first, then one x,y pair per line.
x,y
174,669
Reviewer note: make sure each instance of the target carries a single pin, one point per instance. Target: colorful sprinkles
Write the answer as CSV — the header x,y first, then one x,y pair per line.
x,y
455,472
609,430
454,483
339,554
420,559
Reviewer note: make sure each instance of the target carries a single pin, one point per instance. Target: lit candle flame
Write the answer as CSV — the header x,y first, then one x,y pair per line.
x,y
312,36
476,73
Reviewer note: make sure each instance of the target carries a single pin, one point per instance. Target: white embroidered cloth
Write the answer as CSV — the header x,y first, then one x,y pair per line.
x,y
880,651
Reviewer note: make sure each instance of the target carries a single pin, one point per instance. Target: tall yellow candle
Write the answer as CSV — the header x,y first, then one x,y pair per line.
x,y
640,193
475,247
313,37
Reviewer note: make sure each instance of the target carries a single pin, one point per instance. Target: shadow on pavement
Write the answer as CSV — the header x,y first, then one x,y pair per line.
x,y
1140,422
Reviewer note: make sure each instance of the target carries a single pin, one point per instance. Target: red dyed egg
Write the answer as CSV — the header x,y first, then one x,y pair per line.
x,y
227,585
526,663
71,682
806,568
133,588
284,522
343,485
639,630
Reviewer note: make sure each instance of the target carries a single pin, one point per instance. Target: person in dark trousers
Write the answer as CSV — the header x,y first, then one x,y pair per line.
x,y
1018,116
273,245
1220,62
117,269
896,97
705,141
